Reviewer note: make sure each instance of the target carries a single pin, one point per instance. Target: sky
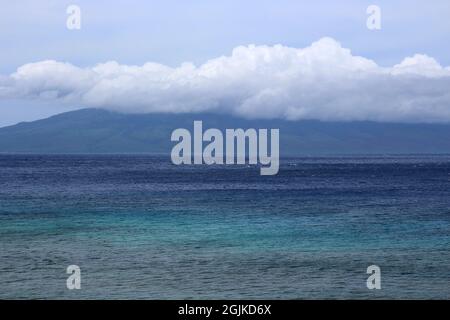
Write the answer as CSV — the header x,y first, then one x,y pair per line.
x,y
283,59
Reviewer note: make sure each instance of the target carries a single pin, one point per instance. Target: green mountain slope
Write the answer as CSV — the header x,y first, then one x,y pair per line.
x,y
99,131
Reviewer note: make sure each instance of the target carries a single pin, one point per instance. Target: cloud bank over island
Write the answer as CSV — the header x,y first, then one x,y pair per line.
x,y
323,81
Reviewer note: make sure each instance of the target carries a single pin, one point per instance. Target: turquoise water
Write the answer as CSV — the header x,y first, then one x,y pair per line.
x,y
140,227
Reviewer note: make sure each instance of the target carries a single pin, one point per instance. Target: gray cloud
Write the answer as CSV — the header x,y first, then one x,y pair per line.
x,y
323,81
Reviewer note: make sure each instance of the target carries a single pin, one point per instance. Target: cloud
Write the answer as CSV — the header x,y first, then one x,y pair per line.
x,y
323,81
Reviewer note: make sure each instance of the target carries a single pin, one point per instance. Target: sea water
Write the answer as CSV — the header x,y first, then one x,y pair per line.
x,y
140,227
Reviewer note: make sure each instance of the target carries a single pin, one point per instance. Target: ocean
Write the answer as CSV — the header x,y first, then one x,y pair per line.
x,y
140,227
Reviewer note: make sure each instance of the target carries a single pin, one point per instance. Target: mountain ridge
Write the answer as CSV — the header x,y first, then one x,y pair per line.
x,y
101,131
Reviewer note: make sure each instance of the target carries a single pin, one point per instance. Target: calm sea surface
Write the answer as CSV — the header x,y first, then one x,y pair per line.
x,y
140,227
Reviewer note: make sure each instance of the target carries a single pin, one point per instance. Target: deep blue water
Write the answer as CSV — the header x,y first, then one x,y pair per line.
x,y
140,227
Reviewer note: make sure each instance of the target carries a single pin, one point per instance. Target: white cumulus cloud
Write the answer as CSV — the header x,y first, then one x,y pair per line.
x,y
323,81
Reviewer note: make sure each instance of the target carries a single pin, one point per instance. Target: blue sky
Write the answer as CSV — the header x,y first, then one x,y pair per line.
x,y
173,32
